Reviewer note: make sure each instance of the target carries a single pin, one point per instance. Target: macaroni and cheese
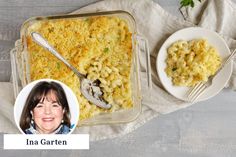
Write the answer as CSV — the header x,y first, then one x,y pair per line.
x,y
99,47
191,62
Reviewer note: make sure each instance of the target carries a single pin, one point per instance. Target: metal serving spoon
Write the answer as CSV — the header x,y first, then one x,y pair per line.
x,y
90,89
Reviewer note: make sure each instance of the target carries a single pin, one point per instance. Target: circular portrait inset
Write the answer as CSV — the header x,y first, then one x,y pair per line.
x,y
46,106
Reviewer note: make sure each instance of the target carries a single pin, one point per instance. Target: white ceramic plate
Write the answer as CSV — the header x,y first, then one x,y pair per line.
x,y
189,34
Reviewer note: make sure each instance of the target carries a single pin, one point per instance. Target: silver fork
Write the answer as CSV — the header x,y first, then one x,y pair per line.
x,y
199,89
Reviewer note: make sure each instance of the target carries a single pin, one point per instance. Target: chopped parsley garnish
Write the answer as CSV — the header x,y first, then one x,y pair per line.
x,y
106,50
174,69
58,65
185,3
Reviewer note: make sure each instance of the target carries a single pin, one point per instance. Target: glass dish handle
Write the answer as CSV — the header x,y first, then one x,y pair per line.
x,y
14,72
144,42
14,69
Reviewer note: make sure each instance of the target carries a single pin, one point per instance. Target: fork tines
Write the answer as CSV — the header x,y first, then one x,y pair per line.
x,y
197,91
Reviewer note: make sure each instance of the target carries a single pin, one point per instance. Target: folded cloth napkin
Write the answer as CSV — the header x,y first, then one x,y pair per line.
x,y
155,24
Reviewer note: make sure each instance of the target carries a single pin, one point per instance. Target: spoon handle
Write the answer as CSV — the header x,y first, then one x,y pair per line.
x,y
43,42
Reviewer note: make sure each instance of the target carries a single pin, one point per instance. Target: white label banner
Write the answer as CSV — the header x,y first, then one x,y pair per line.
x,y
72,141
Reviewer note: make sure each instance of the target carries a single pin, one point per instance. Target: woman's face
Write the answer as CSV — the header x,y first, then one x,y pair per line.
x,y
48,114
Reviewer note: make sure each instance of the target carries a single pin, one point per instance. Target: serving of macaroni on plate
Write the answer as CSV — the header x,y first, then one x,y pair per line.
x,y
99,47
191,62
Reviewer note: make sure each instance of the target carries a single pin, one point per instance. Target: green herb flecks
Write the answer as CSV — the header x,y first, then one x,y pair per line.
x,y
58,66
106,50
174,69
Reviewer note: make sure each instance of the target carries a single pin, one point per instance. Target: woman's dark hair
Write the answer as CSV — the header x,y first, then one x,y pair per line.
x,y
39,91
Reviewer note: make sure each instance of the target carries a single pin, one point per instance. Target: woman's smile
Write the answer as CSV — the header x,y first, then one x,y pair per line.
x,y
49,119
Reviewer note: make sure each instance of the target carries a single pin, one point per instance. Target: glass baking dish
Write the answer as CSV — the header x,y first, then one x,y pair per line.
x,y
21,67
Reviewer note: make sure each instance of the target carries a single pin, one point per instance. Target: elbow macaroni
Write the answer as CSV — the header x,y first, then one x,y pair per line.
x,y
191,62
100,47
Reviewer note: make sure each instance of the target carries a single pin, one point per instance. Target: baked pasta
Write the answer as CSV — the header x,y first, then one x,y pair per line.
x,y
99,47
191,62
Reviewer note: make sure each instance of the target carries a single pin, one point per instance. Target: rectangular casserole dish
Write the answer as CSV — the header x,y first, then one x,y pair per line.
x,y
22,69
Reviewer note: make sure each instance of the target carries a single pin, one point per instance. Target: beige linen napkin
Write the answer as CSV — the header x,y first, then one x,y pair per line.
x,y
156,25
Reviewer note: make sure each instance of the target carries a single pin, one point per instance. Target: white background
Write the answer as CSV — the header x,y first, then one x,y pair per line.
x,y
80,141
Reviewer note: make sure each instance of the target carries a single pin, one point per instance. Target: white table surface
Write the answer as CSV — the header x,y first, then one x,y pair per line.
x,y
205,129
